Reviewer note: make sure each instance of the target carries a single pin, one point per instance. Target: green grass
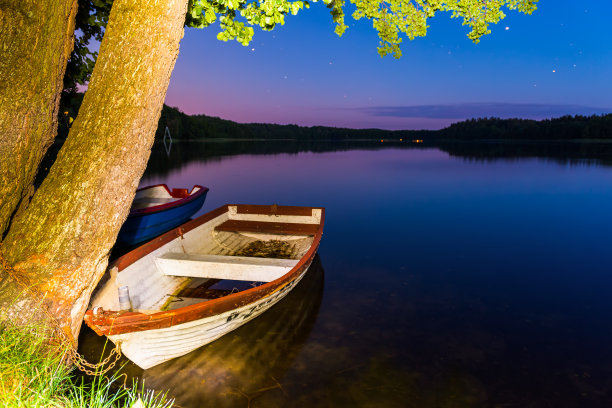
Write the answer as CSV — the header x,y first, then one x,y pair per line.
x,y
32,375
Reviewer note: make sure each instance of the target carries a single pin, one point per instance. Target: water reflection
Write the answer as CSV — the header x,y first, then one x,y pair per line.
x,y
562,152
184,152
163,160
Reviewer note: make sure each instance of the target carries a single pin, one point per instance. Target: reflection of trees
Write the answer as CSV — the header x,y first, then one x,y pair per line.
x,y
184,152
243,364
560,152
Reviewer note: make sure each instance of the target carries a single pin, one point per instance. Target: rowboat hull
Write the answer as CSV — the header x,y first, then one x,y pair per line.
x,y
146,223
246,357
152,347
167,276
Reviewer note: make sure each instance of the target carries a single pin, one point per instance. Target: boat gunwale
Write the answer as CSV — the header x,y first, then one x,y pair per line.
x,y
171,205
113,323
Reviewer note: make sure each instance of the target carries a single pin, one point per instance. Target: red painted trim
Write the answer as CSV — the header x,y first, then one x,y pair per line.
x,y
273,210
161,207
117,323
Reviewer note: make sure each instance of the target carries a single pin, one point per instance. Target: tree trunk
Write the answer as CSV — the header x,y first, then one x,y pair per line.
x,y
35,42
61,243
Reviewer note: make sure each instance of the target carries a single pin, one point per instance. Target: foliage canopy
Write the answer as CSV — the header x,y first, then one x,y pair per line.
x,y
392,19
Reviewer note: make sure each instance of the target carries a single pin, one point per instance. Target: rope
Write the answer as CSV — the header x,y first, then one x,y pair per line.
x,y
79,361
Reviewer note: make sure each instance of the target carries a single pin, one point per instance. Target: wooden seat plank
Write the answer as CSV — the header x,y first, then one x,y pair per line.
x,y
262,227
224,267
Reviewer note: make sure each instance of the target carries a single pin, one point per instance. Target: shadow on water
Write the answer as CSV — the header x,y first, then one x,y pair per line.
x,y
243,365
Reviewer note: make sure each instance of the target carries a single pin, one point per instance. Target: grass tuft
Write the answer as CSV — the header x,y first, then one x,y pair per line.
x,y
32,375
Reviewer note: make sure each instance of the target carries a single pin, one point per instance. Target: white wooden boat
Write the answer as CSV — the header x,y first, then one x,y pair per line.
x,y
167,316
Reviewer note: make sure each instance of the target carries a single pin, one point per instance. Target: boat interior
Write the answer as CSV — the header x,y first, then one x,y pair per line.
x,y
228,254
156,195
231,262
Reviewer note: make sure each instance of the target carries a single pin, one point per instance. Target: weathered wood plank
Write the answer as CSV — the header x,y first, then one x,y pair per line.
x,y
224,267
279,228
273,210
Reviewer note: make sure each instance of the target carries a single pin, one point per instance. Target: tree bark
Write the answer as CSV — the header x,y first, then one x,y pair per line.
x,y
61,243
36,39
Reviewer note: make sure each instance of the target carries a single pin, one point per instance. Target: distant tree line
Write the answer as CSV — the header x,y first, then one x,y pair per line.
x,y
198,127
188,127
193,127
563,128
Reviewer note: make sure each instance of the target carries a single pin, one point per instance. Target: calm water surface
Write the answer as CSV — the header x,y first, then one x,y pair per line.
x,y
441,282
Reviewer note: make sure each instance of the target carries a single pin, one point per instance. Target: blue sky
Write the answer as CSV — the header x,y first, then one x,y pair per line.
x,y
557,61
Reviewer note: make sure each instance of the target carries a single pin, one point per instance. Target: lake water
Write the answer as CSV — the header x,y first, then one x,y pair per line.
x,y
446,278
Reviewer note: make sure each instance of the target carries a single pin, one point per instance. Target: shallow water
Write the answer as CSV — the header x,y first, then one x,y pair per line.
x,y
450,280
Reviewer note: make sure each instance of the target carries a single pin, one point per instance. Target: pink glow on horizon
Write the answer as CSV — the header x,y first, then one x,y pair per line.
x,y
246,170
233,110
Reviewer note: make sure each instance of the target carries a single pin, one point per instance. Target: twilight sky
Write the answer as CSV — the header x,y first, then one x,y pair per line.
x,y
557,61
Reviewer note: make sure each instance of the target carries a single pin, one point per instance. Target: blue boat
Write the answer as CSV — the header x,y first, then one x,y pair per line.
x,y
157,209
